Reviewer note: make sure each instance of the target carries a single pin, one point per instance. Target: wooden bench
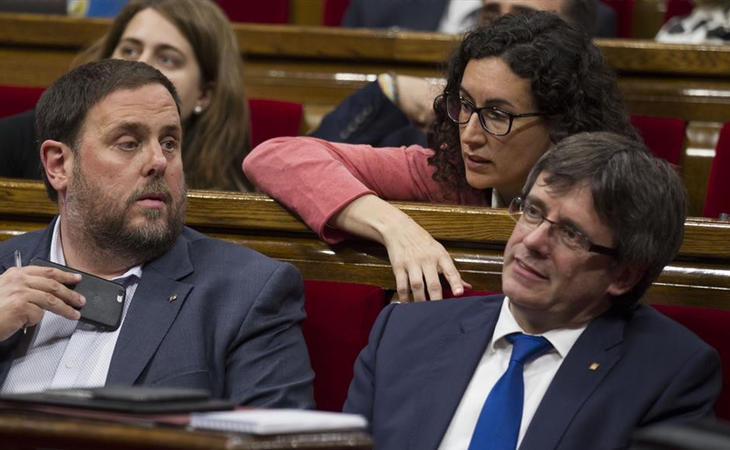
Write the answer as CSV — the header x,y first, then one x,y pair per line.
x,y
475,237
319,66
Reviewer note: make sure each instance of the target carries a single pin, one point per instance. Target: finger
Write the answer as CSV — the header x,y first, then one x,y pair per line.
x,y
61,276
55,305
401,283
415,280
453,277
433,283
57,290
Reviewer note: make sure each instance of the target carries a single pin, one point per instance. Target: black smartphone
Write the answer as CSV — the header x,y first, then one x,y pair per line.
x,y
104,298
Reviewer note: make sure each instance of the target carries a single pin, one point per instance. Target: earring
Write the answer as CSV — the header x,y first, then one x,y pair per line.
x,y
198,109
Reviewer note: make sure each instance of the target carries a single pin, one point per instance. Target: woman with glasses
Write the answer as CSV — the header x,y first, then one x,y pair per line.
x,y
514,88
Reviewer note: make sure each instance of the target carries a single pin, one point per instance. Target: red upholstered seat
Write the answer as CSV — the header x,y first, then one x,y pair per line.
x,y
256,11
17,99
712,326
624,14
664,136
677,8
333,11
717,199
339,318
274,118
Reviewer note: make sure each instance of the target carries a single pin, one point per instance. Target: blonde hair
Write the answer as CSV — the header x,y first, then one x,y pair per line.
x,y
216,140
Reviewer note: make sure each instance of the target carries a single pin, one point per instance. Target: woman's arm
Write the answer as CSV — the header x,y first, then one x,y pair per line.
x,y
338,189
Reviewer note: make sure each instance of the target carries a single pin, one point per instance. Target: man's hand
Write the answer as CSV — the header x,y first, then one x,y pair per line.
x,y
25,292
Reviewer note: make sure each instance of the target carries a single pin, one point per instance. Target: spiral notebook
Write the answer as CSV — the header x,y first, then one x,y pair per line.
x,y
275,421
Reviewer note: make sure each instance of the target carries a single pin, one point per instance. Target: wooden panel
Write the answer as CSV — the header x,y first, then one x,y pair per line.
x,y
320,66
475,238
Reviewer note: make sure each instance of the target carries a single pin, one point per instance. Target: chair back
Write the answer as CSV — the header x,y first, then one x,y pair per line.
x,y
337,327
713,327
18,99
664,136
717,198
274,118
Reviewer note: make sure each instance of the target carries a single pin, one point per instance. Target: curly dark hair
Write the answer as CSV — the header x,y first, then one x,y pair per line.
x,y
570,82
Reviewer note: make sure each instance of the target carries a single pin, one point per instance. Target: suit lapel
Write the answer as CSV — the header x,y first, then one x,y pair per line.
x,y
155,305
575,381
455,358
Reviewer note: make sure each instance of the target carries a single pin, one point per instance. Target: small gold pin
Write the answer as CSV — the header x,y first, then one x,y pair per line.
x,y
172,298
593,366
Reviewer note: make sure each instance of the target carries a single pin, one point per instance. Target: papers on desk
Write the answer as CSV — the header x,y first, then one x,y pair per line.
x,y
274,421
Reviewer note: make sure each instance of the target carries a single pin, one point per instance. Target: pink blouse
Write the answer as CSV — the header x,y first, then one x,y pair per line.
x,y
317,178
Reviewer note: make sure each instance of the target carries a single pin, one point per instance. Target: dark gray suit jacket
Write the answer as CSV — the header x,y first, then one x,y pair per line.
x,y
233,329
410,378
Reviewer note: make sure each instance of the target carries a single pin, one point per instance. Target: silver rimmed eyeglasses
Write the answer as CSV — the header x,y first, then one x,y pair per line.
x,y
531,216
492,119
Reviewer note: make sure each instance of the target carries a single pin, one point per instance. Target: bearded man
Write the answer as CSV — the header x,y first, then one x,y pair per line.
x,y
199,313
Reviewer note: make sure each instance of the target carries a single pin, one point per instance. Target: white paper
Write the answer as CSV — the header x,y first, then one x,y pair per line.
x,y
273,421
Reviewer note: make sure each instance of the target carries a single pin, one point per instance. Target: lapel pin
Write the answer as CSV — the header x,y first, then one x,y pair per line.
x,y
593,366
172,298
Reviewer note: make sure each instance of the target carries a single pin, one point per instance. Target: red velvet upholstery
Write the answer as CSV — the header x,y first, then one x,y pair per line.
x,y
663,136
339,318
712,326
624,14
256,11
677,8
333,11
717,199
273,118
17,99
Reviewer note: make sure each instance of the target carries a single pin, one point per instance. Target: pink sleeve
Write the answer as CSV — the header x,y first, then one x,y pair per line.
x,y
316,178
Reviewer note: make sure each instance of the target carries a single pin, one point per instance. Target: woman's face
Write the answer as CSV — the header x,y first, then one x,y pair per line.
x,y
500,162
154,40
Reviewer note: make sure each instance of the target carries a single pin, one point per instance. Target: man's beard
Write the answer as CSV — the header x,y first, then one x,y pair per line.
x,y
104,220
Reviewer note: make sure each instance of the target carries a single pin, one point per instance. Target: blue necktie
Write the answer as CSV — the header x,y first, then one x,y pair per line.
x,y
498,425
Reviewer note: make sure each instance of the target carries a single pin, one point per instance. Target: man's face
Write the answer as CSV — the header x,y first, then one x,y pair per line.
x,y
496,8
550,285
127,189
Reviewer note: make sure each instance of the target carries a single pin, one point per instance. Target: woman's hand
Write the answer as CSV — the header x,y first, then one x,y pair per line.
x,y
416,257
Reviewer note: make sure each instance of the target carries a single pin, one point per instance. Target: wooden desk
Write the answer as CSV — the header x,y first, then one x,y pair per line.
x,y
319,66
24,431
475,238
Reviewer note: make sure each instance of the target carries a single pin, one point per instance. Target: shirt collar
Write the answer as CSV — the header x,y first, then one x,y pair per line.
x,y
562,339
56,255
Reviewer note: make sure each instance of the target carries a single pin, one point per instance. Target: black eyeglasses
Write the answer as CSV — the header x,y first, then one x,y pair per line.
x,y
492,119
530,216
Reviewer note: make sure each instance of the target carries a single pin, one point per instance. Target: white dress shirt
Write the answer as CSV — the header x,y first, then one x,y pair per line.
x,y
459,16
60,353
538,374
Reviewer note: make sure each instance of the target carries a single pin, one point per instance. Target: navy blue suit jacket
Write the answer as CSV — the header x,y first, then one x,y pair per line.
x,y
234,327
410,378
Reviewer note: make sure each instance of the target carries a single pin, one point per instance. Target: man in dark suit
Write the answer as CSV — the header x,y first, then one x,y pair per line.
x,y
199,313
598,220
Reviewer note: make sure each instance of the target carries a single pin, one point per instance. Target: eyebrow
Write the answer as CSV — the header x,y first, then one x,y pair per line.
x,y
566,222
491,102
162,47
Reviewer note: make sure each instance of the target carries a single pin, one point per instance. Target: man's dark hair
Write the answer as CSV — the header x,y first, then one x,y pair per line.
x,y
569,80
61,110
640,197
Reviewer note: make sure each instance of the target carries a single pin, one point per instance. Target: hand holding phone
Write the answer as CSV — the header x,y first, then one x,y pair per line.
x,y
104,298
27,292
